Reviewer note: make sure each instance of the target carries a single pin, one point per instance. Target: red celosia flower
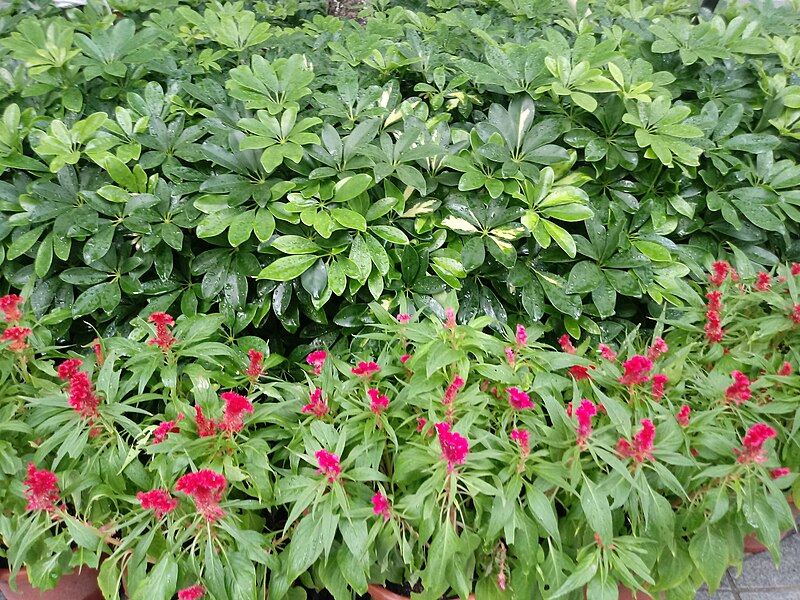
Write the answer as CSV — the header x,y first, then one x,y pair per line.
x,y
569,409
256,367
17,336
785,370
739,391
518,399
163,339
236,406
454,446
522,437
658,348
192,593
522,336
450,318
378,402
68,368
753,451
659,381
721,270
421,422
317,406
317,359
366,369
713,327
328,464
205,427
42,490
82,397
642,443
404,358
9,305
381,506
566,344
636,370
165,428
510,356
403,318
159,501
683,415
764,283
607,353
584,414
452,390
796,313
98,350
795,268
580,372
714,300
205,487
778,473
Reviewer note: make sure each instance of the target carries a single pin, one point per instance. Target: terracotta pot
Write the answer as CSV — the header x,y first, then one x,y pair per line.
x,y
378,592
628,594
78,585
753,546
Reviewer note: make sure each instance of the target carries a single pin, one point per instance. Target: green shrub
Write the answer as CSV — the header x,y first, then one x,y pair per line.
x,y
266,161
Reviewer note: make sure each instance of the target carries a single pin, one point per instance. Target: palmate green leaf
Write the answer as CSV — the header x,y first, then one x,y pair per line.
x,y
287,268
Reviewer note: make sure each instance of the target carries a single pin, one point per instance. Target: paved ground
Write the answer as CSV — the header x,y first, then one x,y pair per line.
x,y
760,580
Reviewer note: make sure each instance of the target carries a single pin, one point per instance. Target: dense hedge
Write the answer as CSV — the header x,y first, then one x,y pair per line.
x,y
272,162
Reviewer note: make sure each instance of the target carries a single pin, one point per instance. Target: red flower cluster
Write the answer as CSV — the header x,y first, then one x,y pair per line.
x,y
192,593
521,337
403,318
378,402
450,318
452,390
81,392
366,369
165,428
659,381
580,372
98,350
607,353
421,422
584,414
404,358
42,490
658,348
317,360
518,399
637,369
159,501
510,357
256,367
764,282
381,506
642,443
753,451
454,446
17,337
522,437
205,487
713,327
778,473
328,464
236,406
785,370
9,305
317,405
163,339
796,313
566,344
739,391
721,271
205,427
795,268
683,416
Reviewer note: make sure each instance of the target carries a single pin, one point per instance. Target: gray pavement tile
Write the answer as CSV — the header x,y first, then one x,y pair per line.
x,y
759,569
774,594
718,595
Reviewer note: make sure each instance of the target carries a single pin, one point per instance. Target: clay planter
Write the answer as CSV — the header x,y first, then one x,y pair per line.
x,y
78,585
628,594
378,592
